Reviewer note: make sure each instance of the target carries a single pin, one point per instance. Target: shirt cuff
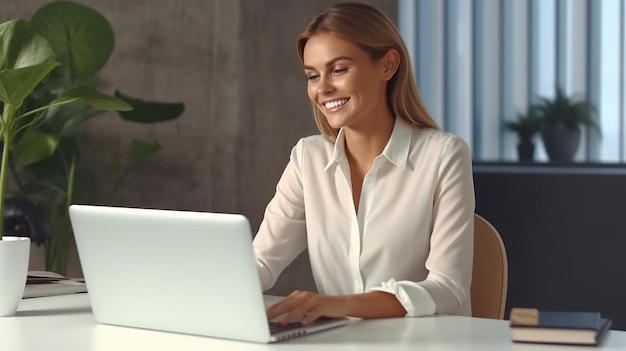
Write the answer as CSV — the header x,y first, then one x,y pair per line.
x,y
415,300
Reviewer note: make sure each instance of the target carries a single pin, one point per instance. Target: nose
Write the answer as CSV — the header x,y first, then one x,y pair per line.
x,y
325,86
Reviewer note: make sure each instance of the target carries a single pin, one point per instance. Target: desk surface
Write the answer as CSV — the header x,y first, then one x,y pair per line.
x,y
66,323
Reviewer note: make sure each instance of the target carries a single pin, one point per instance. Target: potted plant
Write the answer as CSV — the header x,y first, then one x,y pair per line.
x,y
46,166
26,59
526,126
562,119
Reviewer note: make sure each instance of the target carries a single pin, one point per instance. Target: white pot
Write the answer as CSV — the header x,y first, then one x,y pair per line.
x,y
14,257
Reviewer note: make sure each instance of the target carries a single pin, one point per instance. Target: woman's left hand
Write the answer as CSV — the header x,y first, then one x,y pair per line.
x,y
308,307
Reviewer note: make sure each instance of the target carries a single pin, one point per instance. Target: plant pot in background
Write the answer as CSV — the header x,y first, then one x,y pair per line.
x,y
561,143
14,257
526,152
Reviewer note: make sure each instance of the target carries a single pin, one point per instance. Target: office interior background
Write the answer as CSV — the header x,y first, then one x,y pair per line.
x,y
477,62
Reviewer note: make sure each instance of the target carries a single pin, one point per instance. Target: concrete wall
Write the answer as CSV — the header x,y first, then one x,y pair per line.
x,y
233,64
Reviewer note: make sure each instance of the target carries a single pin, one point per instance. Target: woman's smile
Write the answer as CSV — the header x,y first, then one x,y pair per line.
x,y
342,77
335,105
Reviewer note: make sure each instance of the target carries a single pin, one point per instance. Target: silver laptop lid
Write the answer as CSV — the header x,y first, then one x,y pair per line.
x,y
171,270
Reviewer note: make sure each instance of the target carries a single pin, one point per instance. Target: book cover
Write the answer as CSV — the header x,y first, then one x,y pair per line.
x,y
43,283
555,327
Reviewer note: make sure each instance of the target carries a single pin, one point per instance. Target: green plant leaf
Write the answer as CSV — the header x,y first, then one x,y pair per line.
x,y
21,46
565,111
139,150
26,58
52,171
34,146
94,98
150,112
80,36
65,120
17,84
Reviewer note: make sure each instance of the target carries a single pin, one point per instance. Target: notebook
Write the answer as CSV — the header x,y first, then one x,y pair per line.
x,y
177,271
558,327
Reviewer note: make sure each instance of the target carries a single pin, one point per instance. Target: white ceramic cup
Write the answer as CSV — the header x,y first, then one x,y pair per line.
x,y
14,258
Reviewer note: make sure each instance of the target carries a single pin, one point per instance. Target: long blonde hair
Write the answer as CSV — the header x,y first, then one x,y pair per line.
x,y
375,33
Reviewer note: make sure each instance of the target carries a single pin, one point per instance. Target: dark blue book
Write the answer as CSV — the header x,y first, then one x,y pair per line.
x,y
552,327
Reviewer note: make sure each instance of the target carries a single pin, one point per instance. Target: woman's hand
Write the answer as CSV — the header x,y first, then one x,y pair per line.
x,y
308,307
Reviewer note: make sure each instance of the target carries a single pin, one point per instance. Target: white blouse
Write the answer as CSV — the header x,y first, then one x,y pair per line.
x,y
412,235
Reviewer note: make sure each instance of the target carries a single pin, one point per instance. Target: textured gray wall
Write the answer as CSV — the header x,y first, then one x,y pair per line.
x,y
233,64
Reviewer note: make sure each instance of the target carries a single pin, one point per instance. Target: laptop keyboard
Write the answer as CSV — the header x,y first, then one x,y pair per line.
x,y
276,327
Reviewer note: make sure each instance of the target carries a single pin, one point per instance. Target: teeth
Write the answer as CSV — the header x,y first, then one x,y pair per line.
x,y
336,103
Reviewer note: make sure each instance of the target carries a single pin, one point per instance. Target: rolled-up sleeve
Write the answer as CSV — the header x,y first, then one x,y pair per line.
x,y
446,289
412,235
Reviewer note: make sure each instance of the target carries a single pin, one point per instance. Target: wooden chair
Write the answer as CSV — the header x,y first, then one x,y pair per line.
x,y
490,272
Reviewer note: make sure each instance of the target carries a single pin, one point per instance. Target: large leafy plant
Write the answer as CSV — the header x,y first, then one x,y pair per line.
x,y
26,59
65,45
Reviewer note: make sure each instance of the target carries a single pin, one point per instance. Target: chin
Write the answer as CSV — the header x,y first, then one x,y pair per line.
x,y
335,125
335,121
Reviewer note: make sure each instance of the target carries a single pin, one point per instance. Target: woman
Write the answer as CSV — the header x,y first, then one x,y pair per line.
x,y
383,200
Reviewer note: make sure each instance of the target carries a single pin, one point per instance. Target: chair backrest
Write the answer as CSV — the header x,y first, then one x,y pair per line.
x,y
490,273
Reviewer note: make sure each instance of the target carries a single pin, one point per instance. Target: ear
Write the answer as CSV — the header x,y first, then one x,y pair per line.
x,y
391,62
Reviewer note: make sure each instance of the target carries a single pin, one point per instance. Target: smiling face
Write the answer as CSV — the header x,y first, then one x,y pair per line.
x,y
345,84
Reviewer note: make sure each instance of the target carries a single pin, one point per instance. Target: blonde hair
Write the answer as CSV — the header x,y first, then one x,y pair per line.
x,y
376,34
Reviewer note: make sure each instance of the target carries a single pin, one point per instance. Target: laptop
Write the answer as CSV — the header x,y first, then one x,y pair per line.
x,y
177,271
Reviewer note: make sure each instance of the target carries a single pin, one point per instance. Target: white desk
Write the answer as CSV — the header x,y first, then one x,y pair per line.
x,y
66,323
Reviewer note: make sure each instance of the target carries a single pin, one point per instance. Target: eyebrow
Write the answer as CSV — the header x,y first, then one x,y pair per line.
x,y
332,62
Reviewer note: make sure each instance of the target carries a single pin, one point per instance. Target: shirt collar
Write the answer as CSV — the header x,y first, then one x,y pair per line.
x,y
399,144
396,150
338,151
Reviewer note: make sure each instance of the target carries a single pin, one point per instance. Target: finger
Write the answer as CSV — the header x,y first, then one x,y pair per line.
x,y
310,318
278,309
313,314
294,315
305,304
298,311
328,307
284,306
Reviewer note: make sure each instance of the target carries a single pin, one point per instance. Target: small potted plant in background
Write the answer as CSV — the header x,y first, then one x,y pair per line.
x,y
526,126
562,119
26,59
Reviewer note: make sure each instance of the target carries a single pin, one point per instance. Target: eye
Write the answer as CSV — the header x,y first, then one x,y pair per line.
x,y
338,71
312,76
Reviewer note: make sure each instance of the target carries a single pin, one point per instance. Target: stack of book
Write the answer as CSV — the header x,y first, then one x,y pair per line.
x,y
43,283
551,327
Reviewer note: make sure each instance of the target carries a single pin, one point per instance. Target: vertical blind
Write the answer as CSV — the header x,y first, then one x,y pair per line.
x,y
479,62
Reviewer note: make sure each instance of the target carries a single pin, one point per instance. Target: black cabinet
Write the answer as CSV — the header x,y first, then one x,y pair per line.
x,y
564,229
